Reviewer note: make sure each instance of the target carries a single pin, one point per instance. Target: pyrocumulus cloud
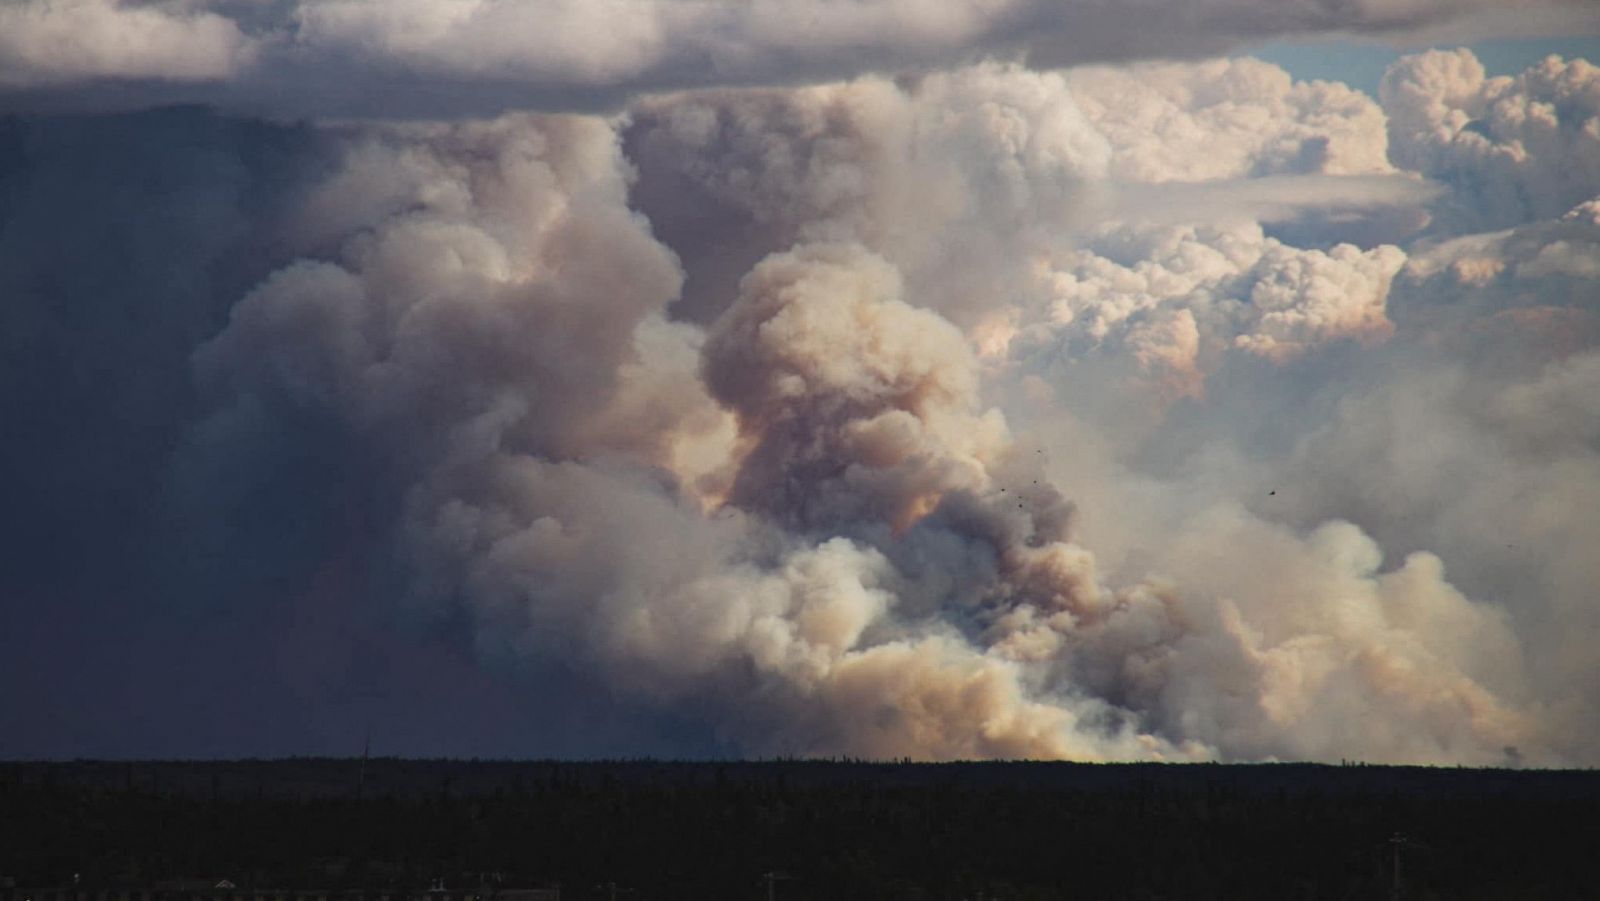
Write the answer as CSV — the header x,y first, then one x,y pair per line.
x,y
964,408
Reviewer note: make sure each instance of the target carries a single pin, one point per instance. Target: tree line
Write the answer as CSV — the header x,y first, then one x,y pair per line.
x,y
807,829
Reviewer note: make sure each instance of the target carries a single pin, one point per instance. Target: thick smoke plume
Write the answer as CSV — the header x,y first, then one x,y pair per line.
x,y
1167,411
803,517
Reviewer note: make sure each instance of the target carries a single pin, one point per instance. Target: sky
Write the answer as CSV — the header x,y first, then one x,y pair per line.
x,y
1215,380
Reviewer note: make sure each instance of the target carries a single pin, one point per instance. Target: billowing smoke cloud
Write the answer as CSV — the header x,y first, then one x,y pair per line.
x,y
1175,299
818,531
1515,148
482,331
1545,267
455,57
1250,117
970,180
986,161
984,412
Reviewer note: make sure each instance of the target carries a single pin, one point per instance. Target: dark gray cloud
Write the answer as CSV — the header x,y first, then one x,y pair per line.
x,y
476,57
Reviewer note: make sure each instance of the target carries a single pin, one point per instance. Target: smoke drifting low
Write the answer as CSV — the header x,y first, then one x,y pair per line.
x,y
1174,411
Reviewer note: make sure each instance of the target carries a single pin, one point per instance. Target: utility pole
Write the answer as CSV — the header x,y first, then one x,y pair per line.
x,y
771,877
361,780
1394,889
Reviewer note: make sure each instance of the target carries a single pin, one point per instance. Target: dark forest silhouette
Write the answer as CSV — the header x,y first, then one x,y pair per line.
x,y
830,829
